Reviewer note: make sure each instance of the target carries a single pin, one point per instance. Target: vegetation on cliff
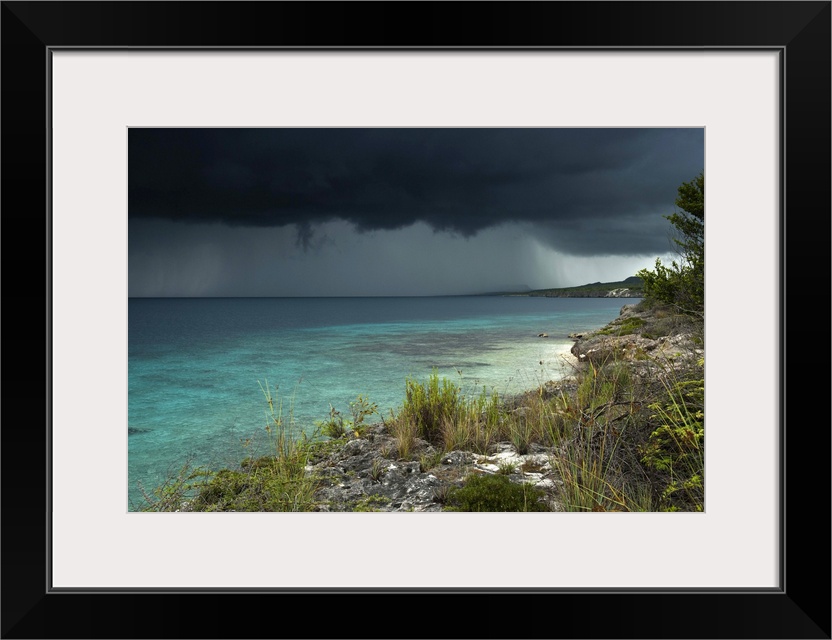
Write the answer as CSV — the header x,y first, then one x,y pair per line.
x,y
682,284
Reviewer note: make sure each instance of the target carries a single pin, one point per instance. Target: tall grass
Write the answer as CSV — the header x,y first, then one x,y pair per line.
x,y
440,413
633,444
434,408
597,469
676,448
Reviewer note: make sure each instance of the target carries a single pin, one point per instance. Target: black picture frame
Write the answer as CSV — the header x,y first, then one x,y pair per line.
x,y
800,31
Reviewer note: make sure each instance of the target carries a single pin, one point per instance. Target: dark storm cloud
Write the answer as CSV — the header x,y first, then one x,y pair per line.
x,y
587,191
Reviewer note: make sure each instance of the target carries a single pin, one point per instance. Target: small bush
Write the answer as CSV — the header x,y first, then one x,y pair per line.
x,y
377,469
335,426
495,493
442,493
361,408
622,328
265,484
507,467
682,283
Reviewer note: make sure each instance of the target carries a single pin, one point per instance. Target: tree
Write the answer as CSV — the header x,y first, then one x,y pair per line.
x,y
682,283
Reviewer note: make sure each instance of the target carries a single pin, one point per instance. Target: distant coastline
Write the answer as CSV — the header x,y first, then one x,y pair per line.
x,y
631,287
622,292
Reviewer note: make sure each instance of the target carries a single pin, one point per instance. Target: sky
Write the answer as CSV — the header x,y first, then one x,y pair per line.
x,y
399,211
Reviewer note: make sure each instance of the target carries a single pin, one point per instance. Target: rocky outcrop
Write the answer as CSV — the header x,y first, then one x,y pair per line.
x,y
641,334
364,474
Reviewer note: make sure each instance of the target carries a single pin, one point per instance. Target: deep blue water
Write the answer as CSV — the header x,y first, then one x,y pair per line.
x,y
195,365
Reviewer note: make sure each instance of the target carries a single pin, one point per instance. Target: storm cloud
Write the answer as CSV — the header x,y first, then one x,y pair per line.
x,y
599,191
384,211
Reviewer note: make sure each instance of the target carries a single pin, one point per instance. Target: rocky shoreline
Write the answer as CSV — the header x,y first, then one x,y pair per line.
x,y
363,473
638,335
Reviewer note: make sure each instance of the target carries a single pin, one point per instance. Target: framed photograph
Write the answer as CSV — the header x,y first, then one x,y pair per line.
x,y
95,92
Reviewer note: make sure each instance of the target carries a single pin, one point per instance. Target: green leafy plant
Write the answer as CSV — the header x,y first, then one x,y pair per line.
x,y
336,426
495,493
676,448
361,408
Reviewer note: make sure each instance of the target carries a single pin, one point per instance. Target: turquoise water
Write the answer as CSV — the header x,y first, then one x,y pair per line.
x,y
195,365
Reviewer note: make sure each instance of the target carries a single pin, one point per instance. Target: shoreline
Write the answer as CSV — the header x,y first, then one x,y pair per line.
x,y
408,487
364,470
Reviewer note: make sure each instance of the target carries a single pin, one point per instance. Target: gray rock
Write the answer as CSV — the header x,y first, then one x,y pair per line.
x,y
347,481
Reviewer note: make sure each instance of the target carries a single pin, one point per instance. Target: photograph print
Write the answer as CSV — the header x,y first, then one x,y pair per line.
x,y
416,319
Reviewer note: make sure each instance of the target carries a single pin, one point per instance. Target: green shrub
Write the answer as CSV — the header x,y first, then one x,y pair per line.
x,y
623,327
265,484
675,450
495,493
337,427
682,284
361,408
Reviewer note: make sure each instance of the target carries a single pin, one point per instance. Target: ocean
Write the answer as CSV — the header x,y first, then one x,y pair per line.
x,y
197,366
